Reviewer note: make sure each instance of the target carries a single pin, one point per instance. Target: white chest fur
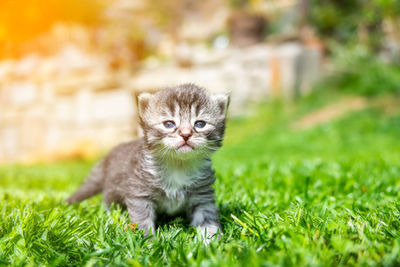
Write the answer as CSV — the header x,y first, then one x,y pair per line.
x,y
174,184
170,206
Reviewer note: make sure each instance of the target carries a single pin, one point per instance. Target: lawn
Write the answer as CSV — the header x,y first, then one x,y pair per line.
x,y
324,195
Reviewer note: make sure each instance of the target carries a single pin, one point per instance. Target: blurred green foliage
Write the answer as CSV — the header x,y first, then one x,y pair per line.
x,y
346,20
358,70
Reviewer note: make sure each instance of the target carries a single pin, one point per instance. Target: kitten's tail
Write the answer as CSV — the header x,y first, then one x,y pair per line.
x,y
92,186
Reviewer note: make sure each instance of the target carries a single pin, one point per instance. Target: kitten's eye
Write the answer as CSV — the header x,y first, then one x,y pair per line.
x,y
169,124
199,124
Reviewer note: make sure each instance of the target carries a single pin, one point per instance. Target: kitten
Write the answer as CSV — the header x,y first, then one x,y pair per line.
x,y
169,169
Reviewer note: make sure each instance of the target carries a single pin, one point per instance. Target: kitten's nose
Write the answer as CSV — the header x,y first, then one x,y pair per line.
x,y
186,133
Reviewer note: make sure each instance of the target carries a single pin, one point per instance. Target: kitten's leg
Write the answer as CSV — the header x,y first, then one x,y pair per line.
x,y
142,212
204,214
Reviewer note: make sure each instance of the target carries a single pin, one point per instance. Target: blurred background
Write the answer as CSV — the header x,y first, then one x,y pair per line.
x,y
70,70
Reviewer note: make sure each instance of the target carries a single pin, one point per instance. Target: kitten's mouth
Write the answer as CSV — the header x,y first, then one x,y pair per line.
x,y
185,148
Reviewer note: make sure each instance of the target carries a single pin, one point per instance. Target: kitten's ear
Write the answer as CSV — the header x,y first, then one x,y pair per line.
x,y
222,102
143,102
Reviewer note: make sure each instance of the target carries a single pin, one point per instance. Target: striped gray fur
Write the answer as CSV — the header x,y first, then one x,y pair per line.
x,y
169,169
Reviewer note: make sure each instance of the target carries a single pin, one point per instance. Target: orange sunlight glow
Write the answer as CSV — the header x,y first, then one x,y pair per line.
x,y
23,20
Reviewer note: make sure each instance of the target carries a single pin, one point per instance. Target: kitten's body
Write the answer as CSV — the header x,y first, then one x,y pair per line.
x,y
168,170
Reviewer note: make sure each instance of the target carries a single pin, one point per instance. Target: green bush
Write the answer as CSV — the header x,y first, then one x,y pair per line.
x,y
359,71
350,20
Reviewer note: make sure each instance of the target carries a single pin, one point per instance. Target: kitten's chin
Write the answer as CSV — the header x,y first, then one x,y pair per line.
x,y
185,149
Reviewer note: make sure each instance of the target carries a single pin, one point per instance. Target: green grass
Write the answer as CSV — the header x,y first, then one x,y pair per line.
x,y
324,196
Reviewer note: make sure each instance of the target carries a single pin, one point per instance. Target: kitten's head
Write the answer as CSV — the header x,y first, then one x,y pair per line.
x,y
183,121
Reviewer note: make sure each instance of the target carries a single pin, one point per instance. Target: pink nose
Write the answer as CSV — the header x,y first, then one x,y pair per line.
x,y
186,133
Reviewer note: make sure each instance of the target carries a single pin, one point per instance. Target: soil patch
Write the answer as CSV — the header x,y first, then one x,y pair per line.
x,y
330,112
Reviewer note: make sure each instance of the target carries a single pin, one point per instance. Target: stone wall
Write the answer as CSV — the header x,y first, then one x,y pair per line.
x,y
74,105
249,74
66,106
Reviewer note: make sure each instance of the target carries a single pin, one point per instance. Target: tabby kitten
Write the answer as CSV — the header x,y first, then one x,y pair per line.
x,y
169,169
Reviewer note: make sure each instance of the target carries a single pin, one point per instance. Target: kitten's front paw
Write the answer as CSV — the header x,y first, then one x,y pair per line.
x,y
148,232
148,229
210,233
